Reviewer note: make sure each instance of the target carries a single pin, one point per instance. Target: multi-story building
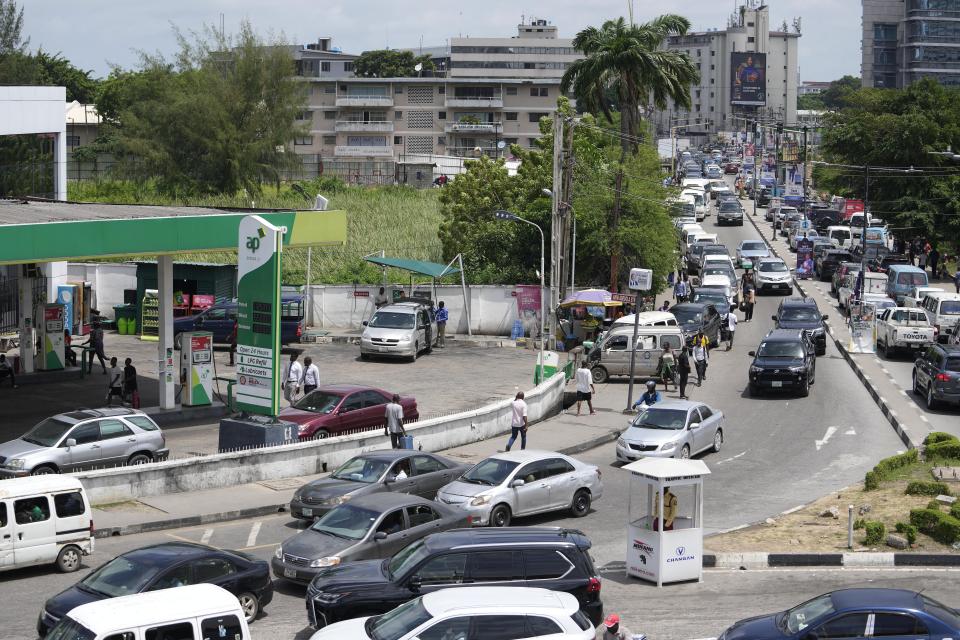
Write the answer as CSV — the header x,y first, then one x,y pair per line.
x,y
811,87
486,94
725,58
906,40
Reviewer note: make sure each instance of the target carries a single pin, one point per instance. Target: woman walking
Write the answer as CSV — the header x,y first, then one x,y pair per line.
x,y
666,367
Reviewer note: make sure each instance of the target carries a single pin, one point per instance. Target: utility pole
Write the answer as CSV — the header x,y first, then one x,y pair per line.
x,y
566,209
615,227
556,237
863,237
804,169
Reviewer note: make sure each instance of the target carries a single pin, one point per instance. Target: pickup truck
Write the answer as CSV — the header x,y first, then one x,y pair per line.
x,y
903,329
875,283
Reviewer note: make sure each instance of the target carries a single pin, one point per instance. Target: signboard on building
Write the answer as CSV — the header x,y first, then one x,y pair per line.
x,y
258,316
748,81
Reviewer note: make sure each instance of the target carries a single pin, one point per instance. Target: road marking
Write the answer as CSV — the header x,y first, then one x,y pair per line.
x,y
826,437
885,370
924,418
254,532
792,510
180,538
851,432
205,538
739,455
260,546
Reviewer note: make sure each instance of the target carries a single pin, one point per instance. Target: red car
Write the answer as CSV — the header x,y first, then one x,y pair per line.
x,y
334,409
731,168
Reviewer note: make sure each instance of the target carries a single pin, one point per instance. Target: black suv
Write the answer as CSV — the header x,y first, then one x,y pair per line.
x,y
803,314
882,264
828,261
784,360
546,557
936,374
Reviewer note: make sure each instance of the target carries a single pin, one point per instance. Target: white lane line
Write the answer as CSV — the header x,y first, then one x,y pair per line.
x,y
884,369
739,455
254,532
924,418
851,432
792,510
826,437
205,538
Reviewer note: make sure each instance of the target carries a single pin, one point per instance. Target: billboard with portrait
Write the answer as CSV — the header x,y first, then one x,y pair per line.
x,y
748,82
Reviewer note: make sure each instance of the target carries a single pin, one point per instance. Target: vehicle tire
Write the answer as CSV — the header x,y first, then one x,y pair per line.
x,y
320,434
250,605
69,559
43,470
805,389
684,453
364,356
581,504
718,441
753,391
820,352
139,458
500,516
416,352
916,389
932,402
600,375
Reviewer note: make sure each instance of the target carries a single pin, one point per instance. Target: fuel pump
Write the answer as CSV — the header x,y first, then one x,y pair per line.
x,y
196,368
51,337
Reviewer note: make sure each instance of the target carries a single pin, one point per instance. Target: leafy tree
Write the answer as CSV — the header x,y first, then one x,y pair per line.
x,y
387,63
215,120
57,71
11,28
835,96
812,102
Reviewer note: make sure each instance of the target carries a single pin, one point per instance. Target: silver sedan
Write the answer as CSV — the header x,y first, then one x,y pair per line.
x,y
672,429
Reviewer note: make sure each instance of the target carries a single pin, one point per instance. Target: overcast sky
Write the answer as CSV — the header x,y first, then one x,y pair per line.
x,y
95,34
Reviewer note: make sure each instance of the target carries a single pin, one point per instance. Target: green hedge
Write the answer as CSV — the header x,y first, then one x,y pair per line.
x,y
940,526
876,533
933,505
927,488
944,450
859,523
939,436
887,466
955,510
908,530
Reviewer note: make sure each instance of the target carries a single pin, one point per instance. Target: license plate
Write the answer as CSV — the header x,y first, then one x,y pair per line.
x,y
776,383
308,512
381,348
289,573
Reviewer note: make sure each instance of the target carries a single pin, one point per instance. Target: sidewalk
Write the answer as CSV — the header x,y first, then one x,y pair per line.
x,y
564,433
352,336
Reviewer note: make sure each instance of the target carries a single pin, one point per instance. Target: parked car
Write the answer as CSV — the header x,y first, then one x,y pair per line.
x,y
785,360
829,260
375,472
672,429
522,483
853,613
164,566
772,274
803,314
731,168
611,355
514,557
903,328
943,312
371,526
84,439
334,409
936,375
222,316
694,318
749,251
917,294
405,329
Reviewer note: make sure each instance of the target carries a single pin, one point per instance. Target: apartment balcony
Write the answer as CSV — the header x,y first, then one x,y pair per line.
x,y
463,127
373,126
347,100
472,152
347,151
486,102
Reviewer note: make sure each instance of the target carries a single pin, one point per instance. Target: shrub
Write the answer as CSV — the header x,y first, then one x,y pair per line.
x,y
876,533
933,505
887,466
859,523
944,450
940,526
907,530
927,488
955,510
871,481
939,436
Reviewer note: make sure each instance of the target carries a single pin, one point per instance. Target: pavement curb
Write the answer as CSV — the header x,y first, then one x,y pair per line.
x,y
891,415
176,523
592,443
760,560
491,343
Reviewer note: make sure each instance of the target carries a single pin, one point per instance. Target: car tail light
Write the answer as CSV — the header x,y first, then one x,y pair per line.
x,y
91,527
593,586
942,377
936,330
299,330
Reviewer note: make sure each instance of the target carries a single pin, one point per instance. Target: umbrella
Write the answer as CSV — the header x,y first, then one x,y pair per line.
x,y
590,298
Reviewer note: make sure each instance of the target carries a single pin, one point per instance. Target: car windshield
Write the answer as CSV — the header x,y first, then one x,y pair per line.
x,y
729,206
799,314
802,616
943,612
753,246
718,271
318,402
396,624
952,364
361,469
780,350
658,418
47,433
491,471
120,577
70,629
392,320
407,558
710,297
950,307
346,521
773,267
788,211
687,316
912,278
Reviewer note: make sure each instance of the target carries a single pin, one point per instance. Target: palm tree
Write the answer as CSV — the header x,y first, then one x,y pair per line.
x,y
629,61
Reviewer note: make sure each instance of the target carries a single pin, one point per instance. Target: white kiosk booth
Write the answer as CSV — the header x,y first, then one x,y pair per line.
x,y
672,552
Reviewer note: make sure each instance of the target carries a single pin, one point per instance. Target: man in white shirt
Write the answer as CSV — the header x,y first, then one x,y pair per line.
x,y
731,329
291,382
518,423
311,376
394,427
701,354
380,299
585,388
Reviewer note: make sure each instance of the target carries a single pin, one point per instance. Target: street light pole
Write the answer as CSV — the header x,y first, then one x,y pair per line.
x,y
573,247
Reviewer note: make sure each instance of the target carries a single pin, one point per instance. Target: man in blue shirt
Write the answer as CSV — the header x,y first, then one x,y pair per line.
x,y
442,316
650,397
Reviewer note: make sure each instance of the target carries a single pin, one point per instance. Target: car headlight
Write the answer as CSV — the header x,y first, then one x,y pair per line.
x,y
339,500
329,561
670,446
14,463
797,369
328,598
480,500
621,442
755,369
278,554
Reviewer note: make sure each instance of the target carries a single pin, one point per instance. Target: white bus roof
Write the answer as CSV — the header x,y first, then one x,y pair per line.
x,y
33,485
155,607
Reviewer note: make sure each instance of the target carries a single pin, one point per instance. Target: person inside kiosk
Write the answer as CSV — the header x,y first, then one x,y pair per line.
x,y
669,510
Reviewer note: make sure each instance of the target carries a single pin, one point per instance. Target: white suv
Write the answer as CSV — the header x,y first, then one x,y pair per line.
x,y
473,612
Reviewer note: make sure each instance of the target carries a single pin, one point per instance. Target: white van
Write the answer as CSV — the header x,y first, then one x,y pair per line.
x,y
699,200
648,319
943,311
186,613
44,519
839,236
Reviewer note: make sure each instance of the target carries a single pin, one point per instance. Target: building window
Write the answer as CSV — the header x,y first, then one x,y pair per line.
x,y
531,141
442,89
420,144
420,95
713,53
698,93
511,91
398,115
73,141
303,142
329,115
330,88
304,115
885,32
539,92
442,115
348,67
712,67
712,81
511,115
329,139
750,39
711,94
749,24
711,109
398,88
420,119
697,106
325,65
509,141
397,139
442,140
536,115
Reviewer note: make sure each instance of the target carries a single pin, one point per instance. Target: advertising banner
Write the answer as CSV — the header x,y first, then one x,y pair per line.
x,y
804,258
258,316
528,307
748,81
794,183
863,318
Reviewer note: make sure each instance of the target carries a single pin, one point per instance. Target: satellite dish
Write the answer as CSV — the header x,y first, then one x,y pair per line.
x,y
419,67
501,144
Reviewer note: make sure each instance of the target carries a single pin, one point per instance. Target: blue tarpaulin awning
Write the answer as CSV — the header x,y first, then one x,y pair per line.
x,y
423,267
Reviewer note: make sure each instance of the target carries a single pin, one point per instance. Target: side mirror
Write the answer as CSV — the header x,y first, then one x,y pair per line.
x,y
752,354
414,583
365,323
517,483
774,318
390,479
380,535
71,442
694,425
825,317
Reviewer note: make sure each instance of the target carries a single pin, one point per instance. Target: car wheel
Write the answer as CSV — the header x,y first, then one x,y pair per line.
x,y
364,356
250,606
138,458
931,401
754,391
684,453
916,387
320,434
416,352
581,504
69,559
43,470
600,375
717,441
805,389
500,516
